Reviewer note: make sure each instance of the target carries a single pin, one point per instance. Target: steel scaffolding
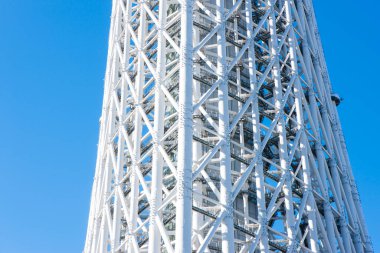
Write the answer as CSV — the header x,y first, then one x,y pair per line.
x,y
220,133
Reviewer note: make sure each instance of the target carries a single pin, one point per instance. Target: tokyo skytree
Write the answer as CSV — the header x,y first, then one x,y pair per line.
x,y
220,133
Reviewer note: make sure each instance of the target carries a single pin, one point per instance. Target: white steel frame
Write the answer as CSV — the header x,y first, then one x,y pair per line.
x,y
220,133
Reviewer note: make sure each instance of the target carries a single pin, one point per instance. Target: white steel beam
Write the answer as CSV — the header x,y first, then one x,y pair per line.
x,y
185,113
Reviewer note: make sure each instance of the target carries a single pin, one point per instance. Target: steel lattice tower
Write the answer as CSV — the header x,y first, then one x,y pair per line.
x,y
220,133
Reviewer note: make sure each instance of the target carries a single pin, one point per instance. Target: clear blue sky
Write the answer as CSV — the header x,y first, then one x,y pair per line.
x,y
52,64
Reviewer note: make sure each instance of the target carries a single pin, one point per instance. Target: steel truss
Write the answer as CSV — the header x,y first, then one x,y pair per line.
x,y
219,133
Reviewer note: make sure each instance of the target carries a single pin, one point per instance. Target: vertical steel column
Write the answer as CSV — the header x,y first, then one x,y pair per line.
x,y
326,124
125,62
105,230
115,232
283,149
227,228
159,114
197,221
241,123
326,87
185,114
310,207
140,81
339,143
338,146
329,218
259,174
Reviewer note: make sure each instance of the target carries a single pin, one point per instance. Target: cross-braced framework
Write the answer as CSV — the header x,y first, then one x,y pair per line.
x,y
219,133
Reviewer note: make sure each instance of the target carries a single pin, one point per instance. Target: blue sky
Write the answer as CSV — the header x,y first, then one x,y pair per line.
x,y
52,63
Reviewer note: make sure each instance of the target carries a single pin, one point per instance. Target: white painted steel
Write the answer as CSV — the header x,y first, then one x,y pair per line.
x,y
220,133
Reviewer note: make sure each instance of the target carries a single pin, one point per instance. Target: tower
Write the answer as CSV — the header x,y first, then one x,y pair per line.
x,y
220,133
